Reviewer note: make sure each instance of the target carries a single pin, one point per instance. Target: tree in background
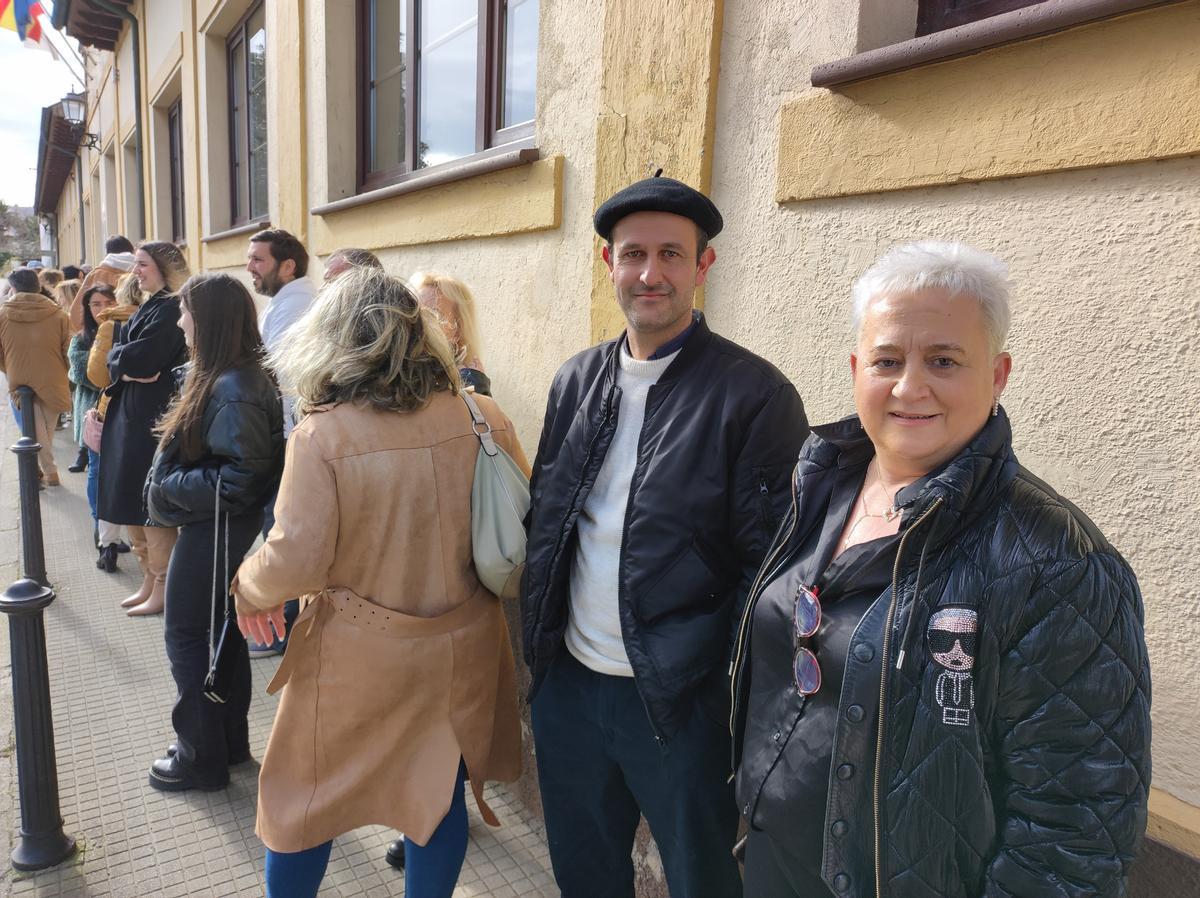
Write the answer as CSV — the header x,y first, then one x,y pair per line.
x,y
19,238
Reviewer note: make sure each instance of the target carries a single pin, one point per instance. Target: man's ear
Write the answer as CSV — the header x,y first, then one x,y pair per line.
x,y
706,260
287,269
606,255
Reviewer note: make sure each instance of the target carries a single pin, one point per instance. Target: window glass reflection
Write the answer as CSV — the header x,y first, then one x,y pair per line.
x,y
448,68
520,61
237,112
385,86
257,43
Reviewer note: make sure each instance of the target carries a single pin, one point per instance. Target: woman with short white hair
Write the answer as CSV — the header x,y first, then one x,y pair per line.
x,y
940,682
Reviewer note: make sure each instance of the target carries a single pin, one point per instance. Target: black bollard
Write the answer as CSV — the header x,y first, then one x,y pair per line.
x,y
42,842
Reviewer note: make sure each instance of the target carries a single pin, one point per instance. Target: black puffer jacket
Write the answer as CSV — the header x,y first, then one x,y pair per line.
x,y
721,433
1022,769
243,444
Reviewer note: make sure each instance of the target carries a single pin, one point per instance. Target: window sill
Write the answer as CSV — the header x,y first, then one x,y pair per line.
x,y
497,159
1023,24
248,228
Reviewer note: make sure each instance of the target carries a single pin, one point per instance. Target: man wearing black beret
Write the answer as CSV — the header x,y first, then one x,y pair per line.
x,y
662,472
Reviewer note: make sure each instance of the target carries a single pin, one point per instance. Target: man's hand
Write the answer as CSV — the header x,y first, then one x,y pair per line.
x,y
257,625
139,380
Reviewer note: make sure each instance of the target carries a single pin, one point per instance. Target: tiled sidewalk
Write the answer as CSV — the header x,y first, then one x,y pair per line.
x,y
112,694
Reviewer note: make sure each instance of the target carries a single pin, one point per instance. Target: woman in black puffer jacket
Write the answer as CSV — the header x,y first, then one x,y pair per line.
x,y
219,460
940,683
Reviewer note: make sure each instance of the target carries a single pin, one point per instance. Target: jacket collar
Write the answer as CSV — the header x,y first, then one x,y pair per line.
x,y
699,336
967,484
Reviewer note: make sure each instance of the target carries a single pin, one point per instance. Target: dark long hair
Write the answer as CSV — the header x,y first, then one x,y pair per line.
x,y
225,336
90,325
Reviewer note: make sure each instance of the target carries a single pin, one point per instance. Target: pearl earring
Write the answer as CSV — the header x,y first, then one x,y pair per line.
x,y
995,406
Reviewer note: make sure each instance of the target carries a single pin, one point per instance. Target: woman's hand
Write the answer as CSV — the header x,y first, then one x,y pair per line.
x,y
139,380
256,625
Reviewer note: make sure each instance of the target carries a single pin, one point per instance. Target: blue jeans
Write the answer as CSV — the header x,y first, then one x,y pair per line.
x,y
93,480
430,871
600,769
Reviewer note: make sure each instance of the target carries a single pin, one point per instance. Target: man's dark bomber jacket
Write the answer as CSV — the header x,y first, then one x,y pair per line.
x,y
722,432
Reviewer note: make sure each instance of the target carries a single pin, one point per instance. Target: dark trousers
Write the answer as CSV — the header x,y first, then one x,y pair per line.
x,y
600,768
772,873
207,732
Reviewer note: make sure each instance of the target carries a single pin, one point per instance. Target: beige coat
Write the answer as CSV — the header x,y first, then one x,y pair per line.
x,y
400,661
34,336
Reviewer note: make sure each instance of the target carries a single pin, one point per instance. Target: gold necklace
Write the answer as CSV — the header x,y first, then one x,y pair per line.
x,y
889,514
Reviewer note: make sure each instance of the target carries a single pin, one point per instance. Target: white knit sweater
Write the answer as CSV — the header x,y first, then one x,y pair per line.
x,y
594,628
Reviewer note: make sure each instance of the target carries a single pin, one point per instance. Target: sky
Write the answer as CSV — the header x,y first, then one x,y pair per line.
x,y
29,80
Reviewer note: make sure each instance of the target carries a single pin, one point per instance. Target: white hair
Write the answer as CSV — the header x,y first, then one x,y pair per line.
x,y
959,269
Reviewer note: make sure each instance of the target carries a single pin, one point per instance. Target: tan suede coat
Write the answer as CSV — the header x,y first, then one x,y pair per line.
x,y
34,337
400,660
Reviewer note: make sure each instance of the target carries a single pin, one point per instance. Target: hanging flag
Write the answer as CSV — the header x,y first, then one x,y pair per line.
x,y
8,18
25,13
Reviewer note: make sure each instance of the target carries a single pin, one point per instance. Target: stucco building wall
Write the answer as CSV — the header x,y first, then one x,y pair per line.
x,y
1106,362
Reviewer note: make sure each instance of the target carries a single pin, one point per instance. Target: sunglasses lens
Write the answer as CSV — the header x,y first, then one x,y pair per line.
x,y
807,672
806,617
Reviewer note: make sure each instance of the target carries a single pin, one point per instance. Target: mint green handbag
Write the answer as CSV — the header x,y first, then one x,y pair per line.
x,y
499,503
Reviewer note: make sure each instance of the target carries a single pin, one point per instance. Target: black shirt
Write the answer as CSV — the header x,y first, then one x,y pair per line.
x,y
847,587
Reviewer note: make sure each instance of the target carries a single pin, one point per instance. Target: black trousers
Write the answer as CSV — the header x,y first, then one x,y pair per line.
x,y
207,732
600,770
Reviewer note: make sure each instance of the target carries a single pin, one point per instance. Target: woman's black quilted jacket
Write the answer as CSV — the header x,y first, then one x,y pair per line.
x,y
1035,783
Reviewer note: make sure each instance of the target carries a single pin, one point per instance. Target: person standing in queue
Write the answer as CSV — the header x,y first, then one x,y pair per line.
x,y
278,264
661,474
219,460
941,685
140,363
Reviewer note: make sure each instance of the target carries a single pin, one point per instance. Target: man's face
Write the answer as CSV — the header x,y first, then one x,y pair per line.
x,y
269,276
655,271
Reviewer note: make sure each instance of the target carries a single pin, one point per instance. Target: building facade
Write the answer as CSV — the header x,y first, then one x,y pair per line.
x,y
476,137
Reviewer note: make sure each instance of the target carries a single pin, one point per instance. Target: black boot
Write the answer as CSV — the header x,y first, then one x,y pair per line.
x,y
107,561
81,462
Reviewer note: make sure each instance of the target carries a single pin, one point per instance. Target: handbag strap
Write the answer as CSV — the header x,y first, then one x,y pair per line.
x,y
212,617
483,430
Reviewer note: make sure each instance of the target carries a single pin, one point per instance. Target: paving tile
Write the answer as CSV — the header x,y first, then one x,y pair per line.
x,y
112,694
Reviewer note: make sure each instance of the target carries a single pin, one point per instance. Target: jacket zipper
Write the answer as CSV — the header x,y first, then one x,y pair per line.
x,y
765,573
883,685
587,460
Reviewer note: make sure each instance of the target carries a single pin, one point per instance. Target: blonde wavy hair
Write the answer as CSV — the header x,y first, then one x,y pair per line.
x,y
468,349
366,340
128,292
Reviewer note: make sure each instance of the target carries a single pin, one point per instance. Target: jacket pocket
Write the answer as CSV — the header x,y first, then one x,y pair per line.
x,y
687,585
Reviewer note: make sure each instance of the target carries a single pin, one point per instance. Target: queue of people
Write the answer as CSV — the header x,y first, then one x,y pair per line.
x,y
897,661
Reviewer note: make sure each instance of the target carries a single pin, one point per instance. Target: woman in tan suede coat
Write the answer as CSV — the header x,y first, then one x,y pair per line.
x,y
399,664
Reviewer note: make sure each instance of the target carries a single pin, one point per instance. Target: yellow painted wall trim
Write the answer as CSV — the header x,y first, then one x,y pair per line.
x,y
513,201
1125,90
227,252
658,100
165,72
1174,822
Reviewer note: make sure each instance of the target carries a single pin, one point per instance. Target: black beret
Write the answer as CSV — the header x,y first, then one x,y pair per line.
x,y
659,194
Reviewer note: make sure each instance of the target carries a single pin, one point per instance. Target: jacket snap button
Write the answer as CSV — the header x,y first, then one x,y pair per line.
x,y
840,827
746,810
845,771
863,652
777,737
855,713
841,882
